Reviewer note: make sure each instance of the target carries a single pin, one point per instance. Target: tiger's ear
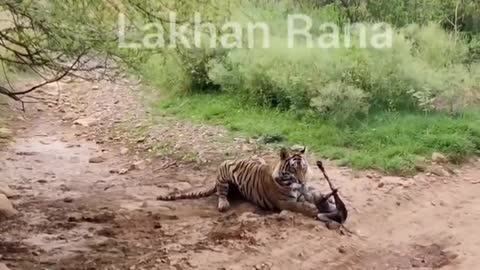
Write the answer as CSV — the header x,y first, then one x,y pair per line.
x,y
304,150
284,153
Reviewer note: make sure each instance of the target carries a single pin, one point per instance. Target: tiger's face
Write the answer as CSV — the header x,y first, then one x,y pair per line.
x,y
295,162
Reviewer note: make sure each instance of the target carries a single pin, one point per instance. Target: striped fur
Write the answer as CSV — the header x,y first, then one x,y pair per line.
x,y
277,187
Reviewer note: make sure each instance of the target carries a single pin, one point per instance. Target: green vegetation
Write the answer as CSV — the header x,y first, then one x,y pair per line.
x,y
384,109
392,142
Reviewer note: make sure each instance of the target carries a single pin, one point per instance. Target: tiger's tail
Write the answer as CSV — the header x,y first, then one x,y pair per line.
x,y
188,195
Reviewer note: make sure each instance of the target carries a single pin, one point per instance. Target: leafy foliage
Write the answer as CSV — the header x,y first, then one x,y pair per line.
x,y
427,68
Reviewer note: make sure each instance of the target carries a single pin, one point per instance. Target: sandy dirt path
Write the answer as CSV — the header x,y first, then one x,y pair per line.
x,y
85,202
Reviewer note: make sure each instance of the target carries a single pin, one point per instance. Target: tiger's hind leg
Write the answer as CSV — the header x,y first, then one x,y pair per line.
x,y
222,193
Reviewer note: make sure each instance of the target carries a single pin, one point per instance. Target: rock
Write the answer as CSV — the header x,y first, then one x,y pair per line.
x,y
6,208
74,217
138,165
420,167
69,116
123,171
285,215
246,148
3,267
240,140
437,170
68,199
85,122
5,133
342,249
7,191
407,183
381,184
107,232
439,158
124,151
96,160
332,225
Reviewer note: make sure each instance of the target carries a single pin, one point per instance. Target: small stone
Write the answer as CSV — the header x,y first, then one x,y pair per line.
x,y
85,122
42,181
420,167
381,184
6,208
439,158
107,232
342,249
123,171
437,170
284,215
124,151
69,116
74,217
332,225
374,176
246,148
138,165
68,199
96,160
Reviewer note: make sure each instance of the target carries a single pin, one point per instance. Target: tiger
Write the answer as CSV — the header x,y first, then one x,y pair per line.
x,y
278,187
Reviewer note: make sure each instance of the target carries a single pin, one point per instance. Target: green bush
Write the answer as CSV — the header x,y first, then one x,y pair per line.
x,y
426,69
423,68
341,101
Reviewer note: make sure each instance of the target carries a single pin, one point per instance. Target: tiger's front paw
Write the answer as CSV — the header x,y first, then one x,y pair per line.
x,y
223,204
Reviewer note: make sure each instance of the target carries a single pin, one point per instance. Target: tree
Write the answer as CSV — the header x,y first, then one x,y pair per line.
x,y
77,38
54,40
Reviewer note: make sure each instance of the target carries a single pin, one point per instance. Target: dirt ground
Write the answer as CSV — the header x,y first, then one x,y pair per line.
x,y
85,191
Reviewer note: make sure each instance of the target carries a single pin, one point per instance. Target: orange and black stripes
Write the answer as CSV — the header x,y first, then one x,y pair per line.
x,y
255,180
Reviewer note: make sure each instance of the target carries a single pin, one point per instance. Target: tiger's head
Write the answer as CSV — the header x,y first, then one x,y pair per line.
x,y
294,161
